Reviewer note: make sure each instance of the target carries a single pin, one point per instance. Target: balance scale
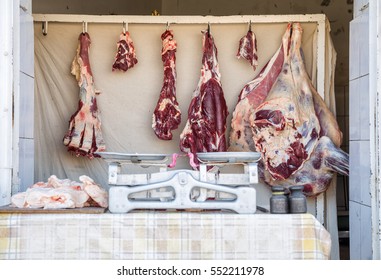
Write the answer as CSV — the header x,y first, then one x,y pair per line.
x,y
205,189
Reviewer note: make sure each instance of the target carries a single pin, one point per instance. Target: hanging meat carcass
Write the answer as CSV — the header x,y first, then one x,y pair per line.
x,y
84,136
248,48
167,115
321,161
285,126
206,124
252,95
125,57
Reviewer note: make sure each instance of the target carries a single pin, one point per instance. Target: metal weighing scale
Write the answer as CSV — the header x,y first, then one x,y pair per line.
x,y
205,189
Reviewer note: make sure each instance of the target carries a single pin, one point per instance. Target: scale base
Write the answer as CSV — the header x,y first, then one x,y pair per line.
x,y
184,192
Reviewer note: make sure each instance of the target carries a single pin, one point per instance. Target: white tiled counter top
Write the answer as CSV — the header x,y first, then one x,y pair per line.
x,y
162,235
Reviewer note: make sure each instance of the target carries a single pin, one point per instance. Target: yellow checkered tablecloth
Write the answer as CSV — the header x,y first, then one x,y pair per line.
x,y
162,235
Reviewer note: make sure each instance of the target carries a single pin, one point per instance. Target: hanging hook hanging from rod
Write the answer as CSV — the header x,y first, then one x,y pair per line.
x,y
125,27
84,27
250,25
44,28
208,29
167,26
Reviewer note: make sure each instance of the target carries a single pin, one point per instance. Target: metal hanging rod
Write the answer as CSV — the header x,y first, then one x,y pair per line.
x,y
320,18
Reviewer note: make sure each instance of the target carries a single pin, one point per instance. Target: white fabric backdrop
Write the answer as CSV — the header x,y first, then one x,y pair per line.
x,y
127,100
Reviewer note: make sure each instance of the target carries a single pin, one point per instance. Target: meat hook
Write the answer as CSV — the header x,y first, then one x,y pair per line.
x,y
167,28
84,27
125,28
44,28
208,29
250,25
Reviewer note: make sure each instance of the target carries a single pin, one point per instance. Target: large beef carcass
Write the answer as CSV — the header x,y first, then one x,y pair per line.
x,y
252,95
125,57
247,49
285,126
317,170
167,115
206,125
84,136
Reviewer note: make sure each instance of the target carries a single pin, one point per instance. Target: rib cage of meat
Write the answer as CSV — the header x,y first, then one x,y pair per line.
x,y
125,57
285,126
84,136
248,49
251,96
167,115
206,125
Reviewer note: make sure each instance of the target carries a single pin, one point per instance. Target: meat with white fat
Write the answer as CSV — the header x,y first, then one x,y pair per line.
x,y
125,57
285,126
251,96
84,136
55,198
167,115
326,159
96,192
62,193
206,125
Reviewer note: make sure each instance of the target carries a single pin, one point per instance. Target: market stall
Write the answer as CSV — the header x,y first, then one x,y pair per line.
x,y
127,103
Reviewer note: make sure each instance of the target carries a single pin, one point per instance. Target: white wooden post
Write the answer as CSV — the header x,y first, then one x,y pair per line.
x,y
375,122
320,86
6,99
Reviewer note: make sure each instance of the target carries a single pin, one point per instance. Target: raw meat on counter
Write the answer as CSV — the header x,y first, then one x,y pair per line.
x,y
62,193
206,125
84,136
295,149
96,192
248,49
252,95
167,115
125,57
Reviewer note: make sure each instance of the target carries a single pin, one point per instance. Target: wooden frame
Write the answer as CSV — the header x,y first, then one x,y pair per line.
x,y
319,19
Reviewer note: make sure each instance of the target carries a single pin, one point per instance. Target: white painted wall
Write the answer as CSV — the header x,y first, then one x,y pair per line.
x,y
362,147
